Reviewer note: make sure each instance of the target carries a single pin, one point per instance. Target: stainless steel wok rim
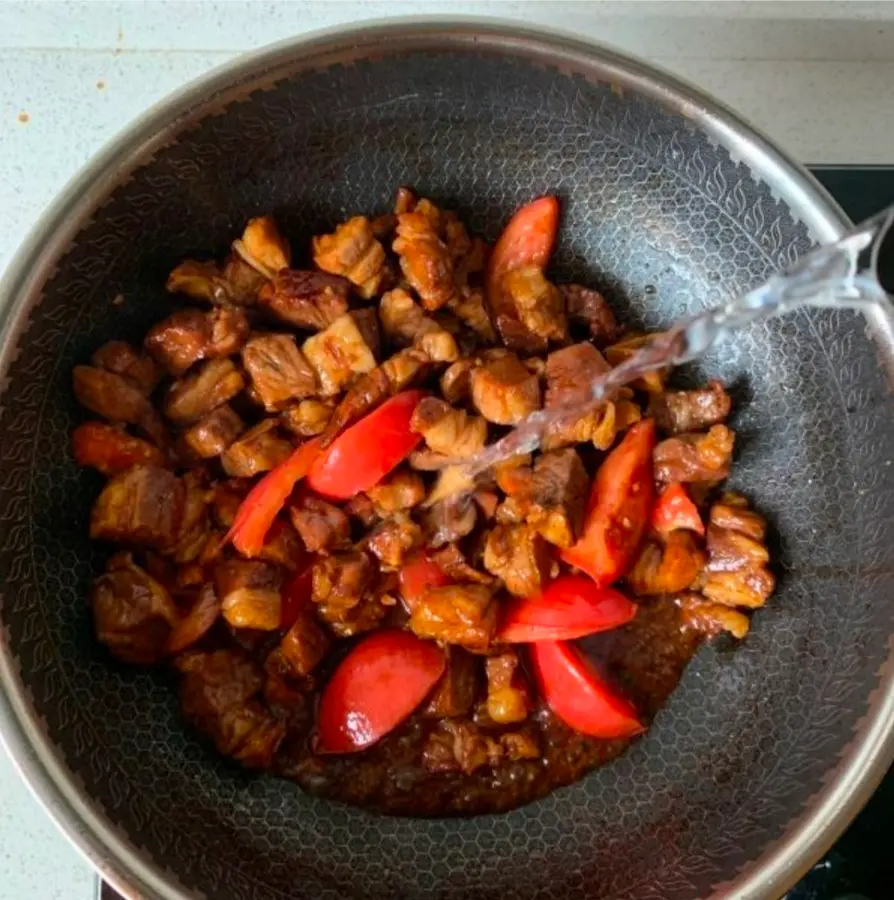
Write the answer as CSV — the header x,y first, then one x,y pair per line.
x,y
131,871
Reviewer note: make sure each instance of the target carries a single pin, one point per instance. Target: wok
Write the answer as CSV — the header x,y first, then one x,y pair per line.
x,y
670,203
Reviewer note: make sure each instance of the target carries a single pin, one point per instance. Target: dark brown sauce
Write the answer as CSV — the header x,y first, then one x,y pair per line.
x,y
646,658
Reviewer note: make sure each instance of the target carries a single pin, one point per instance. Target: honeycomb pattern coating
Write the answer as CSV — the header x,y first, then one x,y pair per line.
x,y
663,220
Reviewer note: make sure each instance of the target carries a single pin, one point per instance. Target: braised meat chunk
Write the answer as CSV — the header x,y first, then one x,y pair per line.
x,y
667,566
353,252
519,557
452,432
307,418
132,365
249,593
263,247
681,411
453,561
322,526
132,612
189,335
504,391
213,384
469,307
462,614
278,371
392,540
424,259
111,450
201,280
338,355
570,373
695,457
211,435
539,305
306,299
304,645
344,591
558,496
455,693
401,490
260,449
587,307
406,324
710,618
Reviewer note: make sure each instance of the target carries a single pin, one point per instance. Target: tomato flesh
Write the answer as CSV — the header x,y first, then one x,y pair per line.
x,y
675,509
578,695
111,451
618,508
570,607
365,453
296,597
527,240
375,688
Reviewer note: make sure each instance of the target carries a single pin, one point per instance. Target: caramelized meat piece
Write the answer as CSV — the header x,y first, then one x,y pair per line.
x,y
446,430
424,259
306,299
196,395
455,692
308,418
515,476
249,593
452,560
559,489
450,519
132,612
245,282
667,567
456,382
539,304
518,745
401,490
189,335
116,399
321,525
393,539
263,247
681,411
339,354
362,509
210,436
405,324
469,307
352,251
201,281
695,457
508,698
589,308
278,371
653,382
133,366
570,373
228,495
750,588
710,618
111,450
457,614
192,534
732,512
219,695
260,449
202,615
517,555
142,507
344,591
731,549
283,546
504,391
458,745
304,645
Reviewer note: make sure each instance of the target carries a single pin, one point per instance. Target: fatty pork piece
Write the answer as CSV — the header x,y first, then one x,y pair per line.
x,y
220,694
249,592
244,281
353,252
307,418
459,745
667,565
211,385
213,433
469,307
681,411
142,507
278,371
392,540
452,432
449,519
306,299
188,335
406,324
701,458
558,497
519,557
454,694
424,259
463,614
116,399
110,449
699,614
454,563
339,354
321,525
456,382
134,366
193,533
260,449
508,697
399,491
133,614
344,591
304,645
589,308
202,280
570,373
263,247
539,305
504,391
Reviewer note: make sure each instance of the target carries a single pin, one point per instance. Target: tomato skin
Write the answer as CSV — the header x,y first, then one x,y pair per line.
x,y
570,607
263,502
296,596
675,509
527,240
374,688
361,456
418,576
577,694
618,508
110,450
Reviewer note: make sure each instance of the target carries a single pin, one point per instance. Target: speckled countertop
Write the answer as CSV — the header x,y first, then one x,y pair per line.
x,y
73,73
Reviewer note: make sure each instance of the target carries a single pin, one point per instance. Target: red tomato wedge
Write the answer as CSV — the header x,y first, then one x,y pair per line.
x,y
365,453
375,687
578,695
296,594
264,501
570,607
618,508
674,509
418,576
527,240
111,450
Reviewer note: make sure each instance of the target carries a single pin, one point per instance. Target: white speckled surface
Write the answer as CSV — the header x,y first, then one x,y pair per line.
x,y
73,73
